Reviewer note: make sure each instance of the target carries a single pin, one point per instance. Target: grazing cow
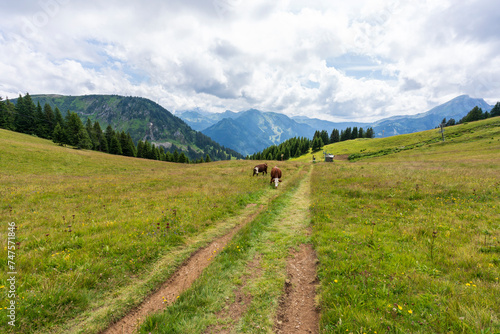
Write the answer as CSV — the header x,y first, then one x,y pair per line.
x,y
262,168
275,176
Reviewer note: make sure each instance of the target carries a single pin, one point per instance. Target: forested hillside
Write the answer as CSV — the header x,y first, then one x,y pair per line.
x,y
141,119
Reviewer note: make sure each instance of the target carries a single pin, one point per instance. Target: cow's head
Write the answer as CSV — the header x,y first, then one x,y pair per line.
x,y
276,182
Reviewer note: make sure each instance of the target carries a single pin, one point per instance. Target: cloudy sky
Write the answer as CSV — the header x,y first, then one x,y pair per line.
x,y
336,60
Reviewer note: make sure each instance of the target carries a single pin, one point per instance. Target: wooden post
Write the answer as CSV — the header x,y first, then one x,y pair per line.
x,y
442,130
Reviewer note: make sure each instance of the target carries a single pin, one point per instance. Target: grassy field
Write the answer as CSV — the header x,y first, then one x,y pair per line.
x,y
90,224
407,235
410,242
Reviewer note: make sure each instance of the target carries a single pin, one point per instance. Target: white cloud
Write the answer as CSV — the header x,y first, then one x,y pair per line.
x,y
337,60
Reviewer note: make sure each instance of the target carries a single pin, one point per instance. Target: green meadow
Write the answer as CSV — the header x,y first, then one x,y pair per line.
x,y
409,241
407,234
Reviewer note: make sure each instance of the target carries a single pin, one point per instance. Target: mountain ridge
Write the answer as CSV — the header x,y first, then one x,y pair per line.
x,y
303,126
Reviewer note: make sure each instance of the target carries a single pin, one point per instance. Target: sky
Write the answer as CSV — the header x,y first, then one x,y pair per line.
x,y
356,60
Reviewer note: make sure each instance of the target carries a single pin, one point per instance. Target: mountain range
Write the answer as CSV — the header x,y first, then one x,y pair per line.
x,y
233,134
252,130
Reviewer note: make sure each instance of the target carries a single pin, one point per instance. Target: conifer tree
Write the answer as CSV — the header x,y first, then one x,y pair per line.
x,y
474,115
148,151
162,153
495,111
155,153
25,115
346,135
286,154
354,133
127,145
450,122
317,144
182,158
297,153
335,136
370,133
109,134
58,118
324,137
168,156
6,114
73,128
40,124
115,147
83,140
92,134
140,149
59,136
207,158
49,119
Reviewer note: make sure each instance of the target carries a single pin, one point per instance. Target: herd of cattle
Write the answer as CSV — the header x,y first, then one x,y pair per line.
x,y
275,173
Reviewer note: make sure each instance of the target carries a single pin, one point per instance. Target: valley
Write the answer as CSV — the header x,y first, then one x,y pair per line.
x,y
403,241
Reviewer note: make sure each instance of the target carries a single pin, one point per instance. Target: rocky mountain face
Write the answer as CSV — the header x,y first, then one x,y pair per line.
x,y
252,131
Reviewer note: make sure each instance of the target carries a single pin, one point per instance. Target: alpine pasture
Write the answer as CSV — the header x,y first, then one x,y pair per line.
x,y
407,235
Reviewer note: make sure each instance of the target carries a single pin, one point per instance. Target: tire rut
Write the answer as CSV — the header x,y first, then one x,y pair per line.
x,y
298,312
181,280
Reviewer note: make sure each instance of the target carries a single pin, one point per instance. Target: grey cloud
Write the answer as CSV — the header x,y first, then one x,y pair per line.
x,y
225,49
410,84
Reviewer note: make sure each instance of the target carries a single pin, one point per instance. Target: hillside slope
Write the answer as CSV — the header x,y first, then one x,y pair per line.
x,y
454,135
143,119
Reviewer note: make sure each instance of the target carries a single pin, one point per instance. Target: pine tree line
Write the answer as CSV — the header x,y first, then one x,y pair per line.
x,y
26,117
290,148
295,147
322,138
476,114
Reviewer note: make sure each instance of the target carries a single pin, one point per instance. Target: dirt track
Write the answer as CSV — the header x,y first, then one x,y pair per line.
x,y
297,312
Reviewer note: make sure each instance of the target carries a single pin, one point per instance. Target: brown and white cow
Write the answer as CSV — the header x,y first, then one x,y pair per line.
x,y
275,176
262,168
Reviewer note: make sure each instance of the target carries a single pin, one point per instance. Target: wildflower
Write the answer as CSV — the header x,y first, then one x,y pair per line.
x,y
335,280
410,311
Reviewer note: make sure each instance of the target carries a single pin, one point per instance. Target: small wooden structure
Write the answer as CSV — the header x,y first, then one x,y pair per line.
x,y
328,157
